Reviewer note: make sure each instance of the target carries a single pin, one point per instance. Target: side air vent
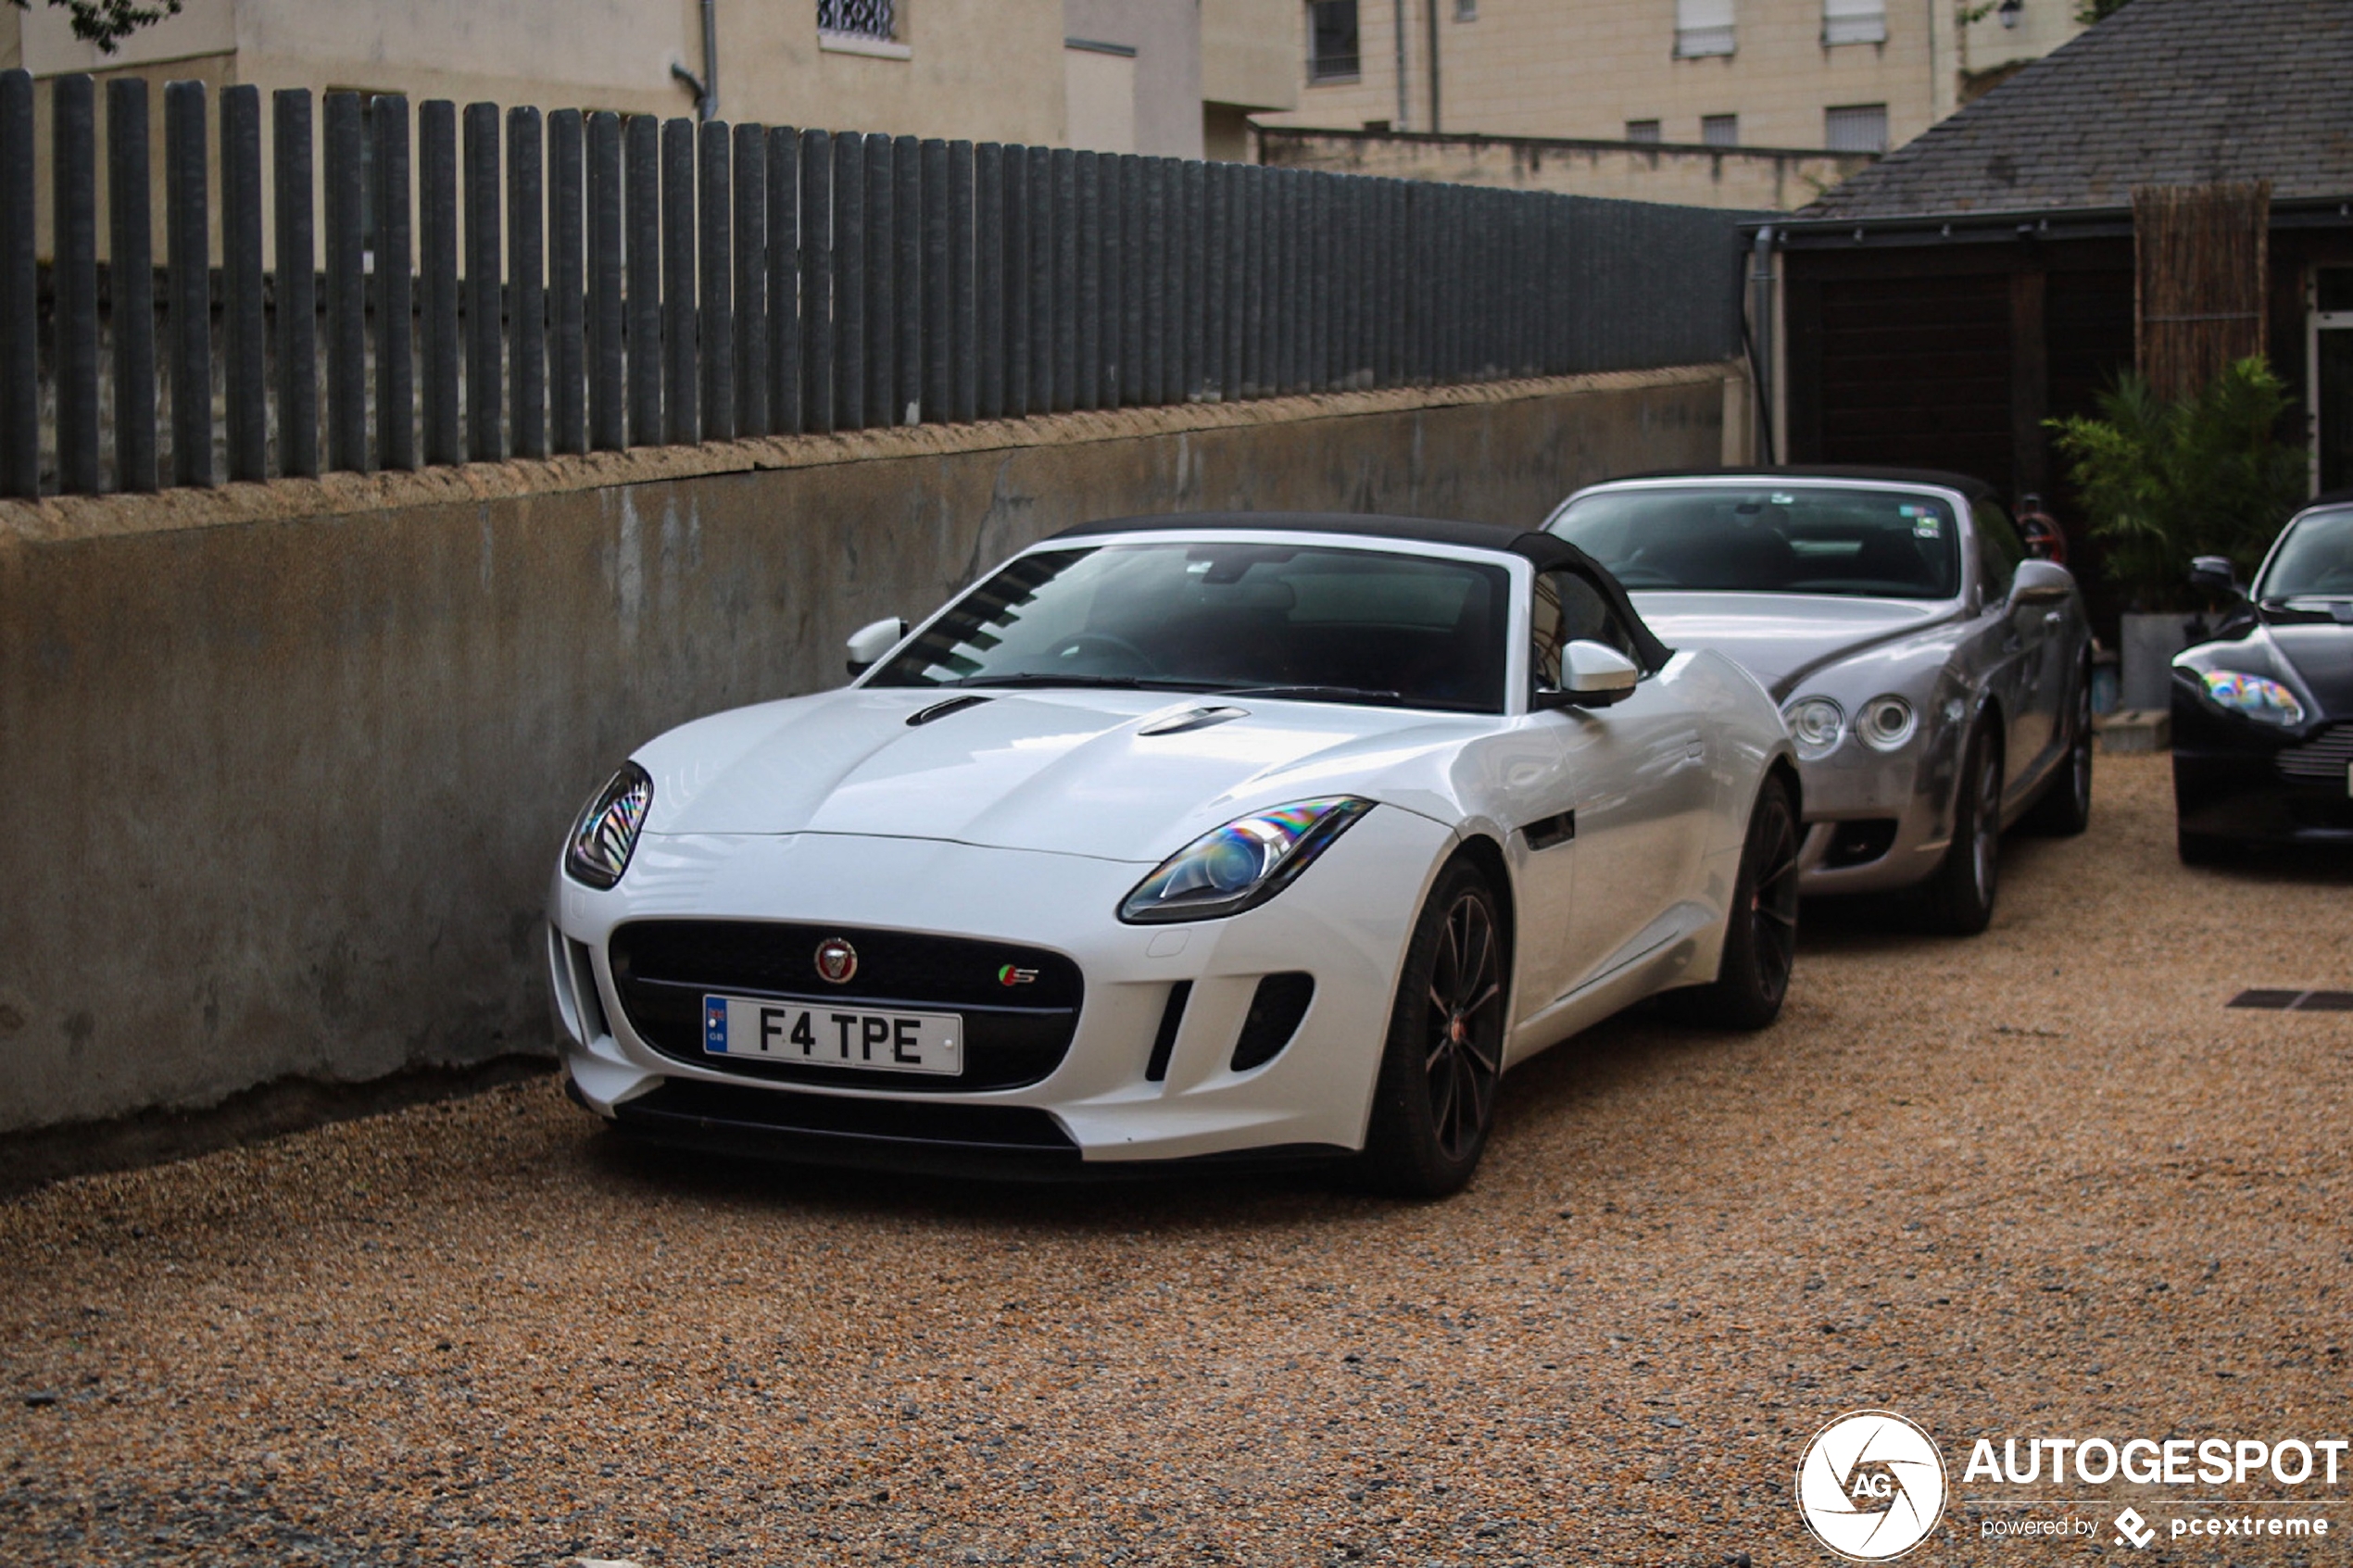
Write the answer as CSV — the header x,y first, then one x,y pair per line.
x,y
1274,1018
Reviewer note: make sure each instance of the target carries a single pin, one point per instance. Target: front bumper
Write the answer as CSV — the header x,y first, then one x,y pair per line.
x,y
2235,780
1345,921
1854,786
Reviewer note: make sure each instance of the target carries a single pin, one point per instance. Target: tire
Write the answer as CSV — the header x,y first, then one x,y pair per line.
x,y
2065,810
1760,929
1958,899
1435,1102
2200,848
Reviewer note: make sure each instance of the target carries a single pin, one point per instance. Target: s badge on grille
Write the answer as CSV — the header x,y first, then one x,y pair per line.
x,y
1010,975
837,960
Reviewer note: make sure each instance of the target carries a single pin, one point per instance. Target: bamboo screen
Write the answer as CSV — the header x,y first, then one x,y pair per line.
x,y
2201,261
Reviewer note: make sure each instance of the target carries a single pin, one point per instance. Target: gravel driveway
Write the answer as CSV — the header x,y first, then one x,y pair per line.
x,y
2040,1181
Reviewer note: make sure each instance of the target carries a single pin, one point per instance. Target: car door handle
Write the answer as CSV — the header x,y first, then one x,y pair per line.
x,y
2053,617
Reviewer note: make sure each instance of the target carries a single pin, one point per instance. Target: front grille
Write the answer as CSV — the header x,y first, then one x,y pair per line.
x,y
1013,1034
2326,756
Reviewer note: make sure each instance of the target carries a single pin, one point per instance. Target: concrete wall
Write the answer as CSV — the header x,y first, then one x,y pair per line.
x,y
1747,178
287,765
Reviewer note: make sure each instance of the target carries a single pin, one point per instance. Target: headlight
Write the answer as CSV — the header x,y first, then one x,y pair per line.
x,y
1816,723
606,834
1886,723
1242,864
2252,696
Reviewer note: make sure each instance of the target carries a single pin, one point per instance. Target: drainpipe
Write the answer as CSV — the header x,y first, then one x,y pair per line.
x,y
1398,7
1435,125
706,86
1762,346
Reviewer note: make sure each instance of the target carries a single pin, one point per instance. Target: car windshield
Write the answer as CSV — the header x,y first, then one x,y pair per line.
x,y
2314,561
1311,621
1772,539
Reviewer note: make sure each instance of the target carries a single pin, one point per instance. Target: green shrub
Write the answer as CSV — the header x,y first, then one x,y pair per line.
x,y
2206,475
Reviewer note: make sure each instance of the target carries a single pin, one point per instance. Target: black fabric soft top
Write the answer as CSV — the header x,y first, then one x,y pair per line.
x,y
1545,551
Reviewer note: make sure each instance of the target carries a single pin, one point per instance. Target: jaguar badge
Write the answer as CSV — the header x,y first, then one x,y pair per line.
x,y
837,960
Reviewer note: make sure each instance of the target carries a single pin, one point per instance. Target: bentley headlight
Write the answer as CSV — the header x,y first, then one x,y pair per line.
x,y
1816,723
606,834
1886,723
1242,864
2252,696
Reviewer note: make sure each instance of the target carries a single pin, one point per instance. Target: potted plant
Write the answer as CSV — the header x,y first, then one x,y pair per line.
x,y
2162,480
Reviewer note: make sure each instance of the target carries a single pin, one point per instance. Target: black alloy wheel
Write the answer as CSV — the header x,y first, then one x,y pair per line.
x,y
1960,894
1464,1048
2065,810
1760,929
1444,1062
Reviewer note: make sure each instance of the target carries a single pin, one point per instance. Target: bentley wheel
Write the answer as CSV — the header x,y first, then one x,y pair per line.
x,y
2065,806
1444,1058
1760,931
1960,896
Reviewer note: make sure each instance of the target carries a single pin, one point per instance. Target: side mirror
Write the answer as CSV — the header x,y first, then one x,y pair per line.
x,y
2041,582
1592,675
872,641
2215,574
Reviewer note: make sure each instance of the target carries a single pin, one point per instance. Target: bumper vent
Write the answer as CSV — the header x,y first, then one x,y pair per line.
x,y
1275,1012
1859,842
1019,1005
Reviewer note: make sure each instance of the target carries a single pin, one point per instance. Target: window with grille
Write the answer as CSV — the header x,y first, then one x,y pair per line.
x,y
1858,128
1331,40
1466,10
860,19
1719,130
1703,27
1642,130
1854,22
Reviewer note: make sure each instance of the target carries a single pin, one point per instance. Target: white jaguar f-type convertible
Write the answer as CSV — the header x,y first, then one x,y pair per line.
x,y
1219,838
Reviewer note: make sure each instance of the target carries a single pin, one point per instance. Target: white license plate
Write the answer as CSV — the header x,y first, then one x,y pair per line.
x,y
828,1037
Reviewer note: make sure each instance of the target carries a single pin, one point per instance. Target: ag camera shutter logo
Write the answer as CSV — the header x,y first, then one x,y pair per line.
x,y
1871,1485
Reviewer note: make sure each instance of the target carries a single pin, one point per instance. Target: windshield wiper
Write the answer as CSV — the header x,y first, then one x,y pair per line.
x,y
1106,683
1318,693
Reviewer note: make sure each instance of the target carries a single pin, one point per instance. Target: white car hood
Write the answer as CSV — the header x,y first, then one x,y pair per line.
x,y
1781,638
1058,770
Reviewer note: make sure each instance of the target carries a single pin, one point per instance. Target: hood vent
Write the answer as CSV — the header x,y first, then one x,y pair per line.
x,y
1193,719
941,710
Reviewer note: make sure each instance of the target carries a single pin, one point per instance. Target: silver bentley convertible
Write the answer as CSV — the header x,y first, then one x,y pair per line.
x,y
1936,681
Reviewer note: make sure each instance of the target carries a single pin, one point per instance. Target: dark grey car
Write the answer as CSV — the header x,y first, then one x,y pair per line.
x,y
1937,682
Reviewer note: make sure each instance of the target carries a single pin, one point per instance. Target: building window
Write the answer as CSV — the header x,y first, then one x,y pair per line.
x,y
1703,27
858,18
1854,22
1859,128
1642,130
1331,41
1466,10
1719,130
